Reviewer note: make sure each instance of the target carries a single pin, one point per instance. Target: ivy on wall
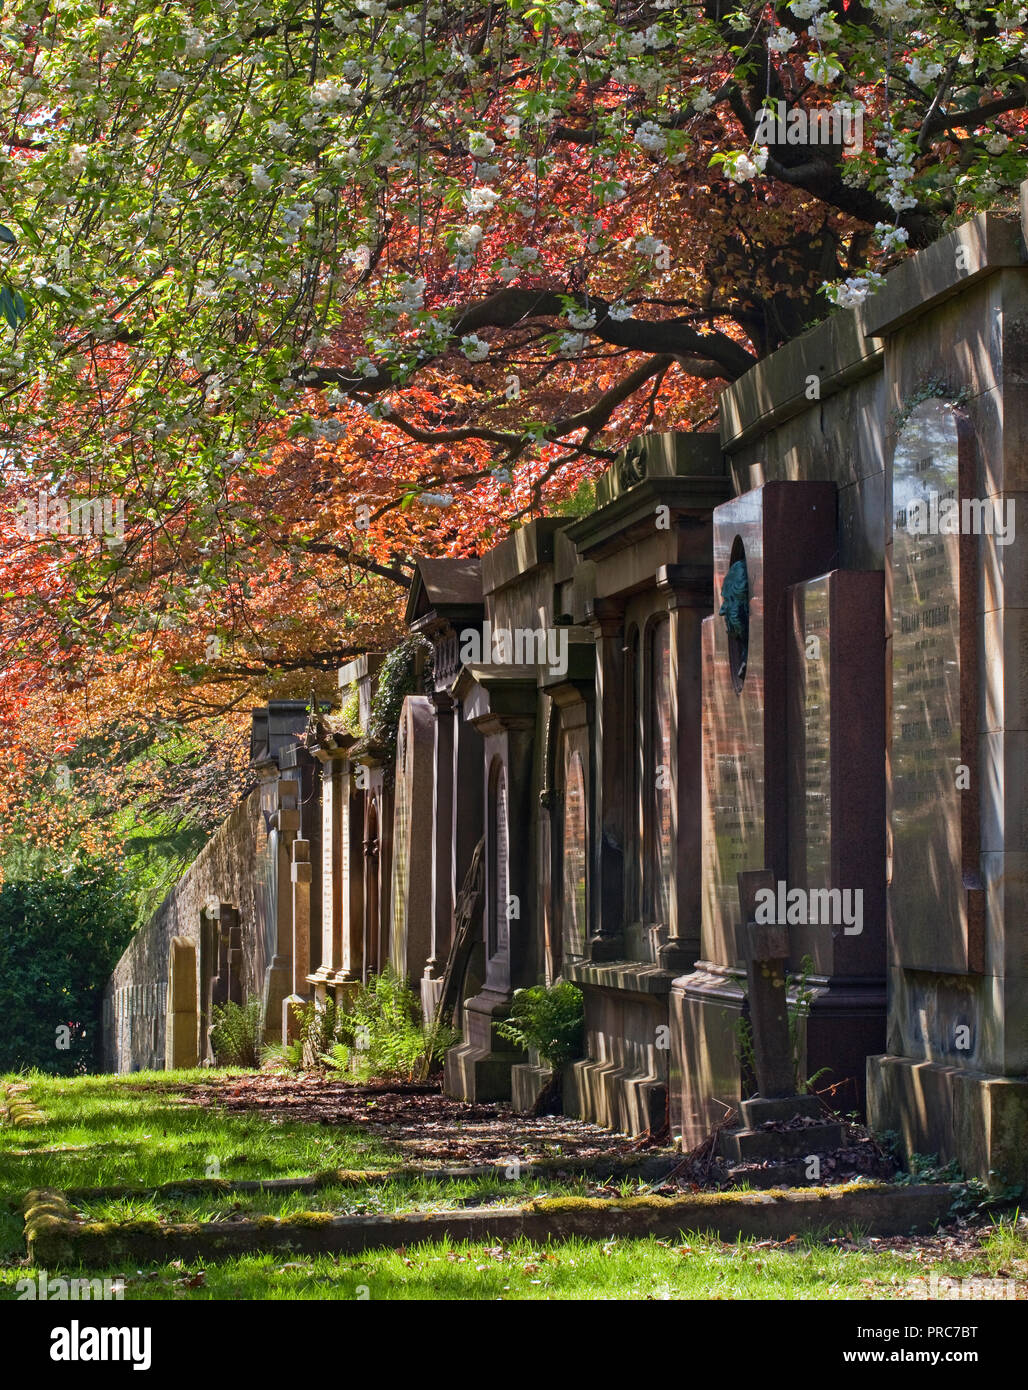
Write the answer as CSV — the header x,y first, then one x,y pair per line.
x,y
405,671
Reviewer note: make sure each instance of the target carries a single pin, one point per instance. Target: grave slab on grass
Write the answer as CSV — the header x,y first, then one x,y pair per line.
x,y
55,1238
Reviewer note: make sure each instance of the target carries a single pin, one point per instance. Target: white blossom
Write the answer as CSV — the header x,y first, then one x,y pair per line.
x,y
478,200
259,177
649,246
476,349
821,69
891,238
77,156
650,137
781,41
920,72
742,167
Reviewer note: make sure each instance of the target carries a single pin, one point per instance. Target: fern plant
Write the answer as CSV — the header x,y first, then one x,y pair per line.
x,y
382,1034
237,1033
550,1020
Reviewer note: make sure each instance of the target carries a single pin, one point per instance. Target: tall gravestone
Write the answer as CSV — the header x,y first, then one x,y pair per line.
x,y
937,904
780,533
837,816
411,917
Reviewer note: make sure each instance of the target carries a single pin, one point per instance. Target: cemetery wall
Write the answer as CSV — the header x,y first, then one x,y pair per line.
x,y
135,1001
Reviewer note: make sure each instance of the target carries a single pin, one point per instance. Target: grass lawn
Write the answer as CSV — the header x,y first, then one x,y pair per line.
x,y
143,1129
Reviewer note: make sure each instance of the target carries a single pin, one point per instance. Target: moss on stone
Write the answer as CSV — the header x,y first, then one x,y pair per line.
x,y
310,1219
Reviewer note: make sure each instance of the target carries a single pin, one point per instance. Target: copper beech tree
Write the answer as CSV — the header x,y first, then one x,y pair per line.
x,y
311,288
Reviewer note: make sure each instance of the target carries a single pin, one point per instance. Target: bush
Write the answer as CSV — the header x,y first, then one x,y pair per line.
x,y
550,1020
237,1033
61,934
382,1033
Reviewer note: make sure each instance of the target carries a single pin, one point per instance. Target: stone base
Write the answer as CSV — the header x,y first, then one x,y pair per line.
x,y
845,1025
528,1080
431,993
277,987
622,1082
479,1068
291,1006
978,1120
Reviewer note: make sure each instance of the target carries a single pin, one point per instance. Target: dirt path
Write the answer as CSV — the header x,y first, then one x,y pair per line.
x,y
423,1124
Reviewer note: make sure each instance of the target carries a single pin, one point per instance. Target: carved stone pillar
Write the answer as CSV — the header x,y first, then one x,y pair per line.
x,y
690,594
606,941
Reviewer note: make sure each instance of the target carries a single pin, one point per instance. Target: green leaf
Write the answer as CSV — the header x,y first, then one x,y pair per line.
x,y
7,308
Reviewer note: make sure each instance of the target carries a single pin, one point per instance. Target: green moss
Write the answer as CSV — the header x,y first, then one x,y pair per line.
x,y
310,1219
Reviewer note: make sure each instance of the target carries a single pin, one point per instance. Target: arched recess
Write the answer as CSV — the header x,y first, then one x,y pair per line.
x,y
575,844
372,958
183,1005
498,885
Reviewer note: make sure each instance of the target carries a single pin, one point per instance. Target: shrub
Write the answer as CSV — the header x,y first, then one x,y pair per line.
x,y
237,1033
61,934
382,1033
550,1020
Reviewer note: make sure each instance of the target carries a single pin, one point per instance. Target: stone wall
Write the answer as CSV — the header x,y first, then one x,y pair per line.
x,y
135,1000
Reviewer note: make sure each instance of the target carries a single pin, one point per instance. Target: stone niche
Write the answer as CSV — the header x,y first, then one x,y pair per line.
x,y
444,603
501,703
954,1079
782,533
936,896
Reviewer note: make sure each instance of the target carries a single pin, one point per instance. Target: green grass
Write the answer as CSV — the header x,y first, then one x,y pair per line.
x,y
422,1194
146,1129
141,1129
696,1268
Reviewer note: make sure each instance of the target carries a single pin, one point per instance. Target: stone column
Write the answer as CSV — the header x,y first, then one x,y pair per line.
x,y
300,882
352,874
279,975
442,849
607,910
690,593
300,877
334,791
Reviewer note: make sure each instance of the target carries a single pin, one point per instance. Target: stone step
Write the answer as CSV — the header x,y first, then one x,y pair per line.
x,y
751,1145
759,1109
